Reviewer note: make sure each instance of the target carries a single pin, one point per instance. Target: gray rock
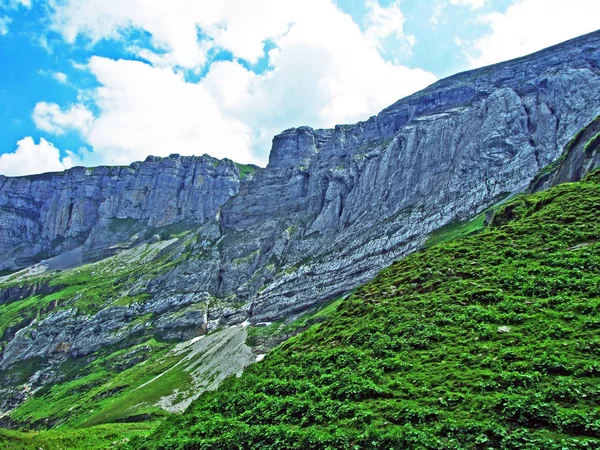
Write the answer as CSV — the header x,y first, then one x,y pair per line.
x,y
580,157
48,214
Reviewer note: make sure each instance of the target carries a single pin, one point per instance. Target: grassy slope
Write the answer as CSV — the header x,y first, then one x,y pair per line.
x,y
455,230
88,288
100,390
103,391
102,387
95,438
490,341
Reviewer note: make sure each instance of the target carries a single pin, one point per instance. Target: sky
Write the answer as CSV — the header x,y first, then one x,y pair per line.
x,y
92,82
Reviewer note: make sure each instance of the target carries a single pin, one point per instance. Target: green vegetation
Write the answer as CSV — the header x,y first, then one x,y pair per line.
x,y
454,230
281,330
116,385
592,144
459,229
313,316
91,287
246,170
486,341
94,438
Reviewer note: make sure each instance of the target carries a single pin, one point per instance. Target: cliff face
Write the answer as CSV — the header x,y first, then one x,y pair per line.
x,y
328,212
580,157
45,215
334,206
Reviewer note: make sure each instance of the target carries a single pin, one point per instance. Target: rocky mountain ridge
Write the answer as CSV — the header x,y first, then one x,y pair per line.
x,y
45,215
329,211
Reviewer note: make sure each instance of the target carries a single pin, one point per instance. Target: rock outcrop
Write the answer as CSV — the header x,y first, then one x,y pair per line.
x,y
45,215
580,157
329,211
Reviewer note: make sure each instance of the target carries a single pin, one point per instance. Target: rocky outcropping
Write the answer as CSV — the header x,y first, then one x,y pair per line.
x,y
45,215
580,157
329,211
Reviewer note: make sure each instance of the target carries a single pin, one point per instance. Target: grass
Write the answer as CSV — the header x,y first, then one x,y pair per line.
x,y
454,230
89,288
246,170
94,438
484,341
127,300
280,330
114,385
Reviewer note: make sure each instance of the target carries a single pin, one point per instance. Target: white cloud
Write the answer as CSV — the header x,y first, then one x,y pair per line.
x,y
173,24
387,22
60,77
79,66
474,4
531,25
323,71
153,111
4,23
30,157
51,118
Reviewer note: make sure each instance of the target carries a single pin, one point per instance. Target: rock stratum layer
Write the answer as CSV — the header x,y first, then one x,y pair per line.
x,y
331,208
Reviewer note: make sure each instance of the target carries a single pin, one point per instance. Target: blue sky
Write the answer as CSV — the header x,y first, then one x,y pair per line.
x,y
88,82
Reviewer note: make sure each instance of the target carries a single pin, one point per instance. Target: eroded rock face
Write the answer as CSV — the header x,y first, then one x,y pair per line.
x,y
45,215
329,211
580,157
335,206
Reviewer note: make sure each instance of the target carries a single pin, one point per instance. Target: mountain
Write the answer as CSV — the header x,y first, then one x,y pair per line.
x,y
117,273
483,341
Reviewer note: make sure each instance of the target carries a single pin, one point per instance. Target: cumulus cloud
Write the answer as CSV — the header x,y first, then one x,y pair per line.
x,y
30,157
99,19
51,118
148,110
531,25
322,71
4,23
474,4
383,22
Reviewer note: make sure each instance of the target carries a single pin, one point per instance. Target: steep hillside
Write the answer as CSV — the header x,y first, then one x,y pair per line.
x,y
102,437
488,341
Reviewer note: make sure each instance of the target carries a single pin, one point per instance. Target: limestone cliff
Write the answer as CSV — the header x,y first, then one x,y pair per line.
x,y
45,215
